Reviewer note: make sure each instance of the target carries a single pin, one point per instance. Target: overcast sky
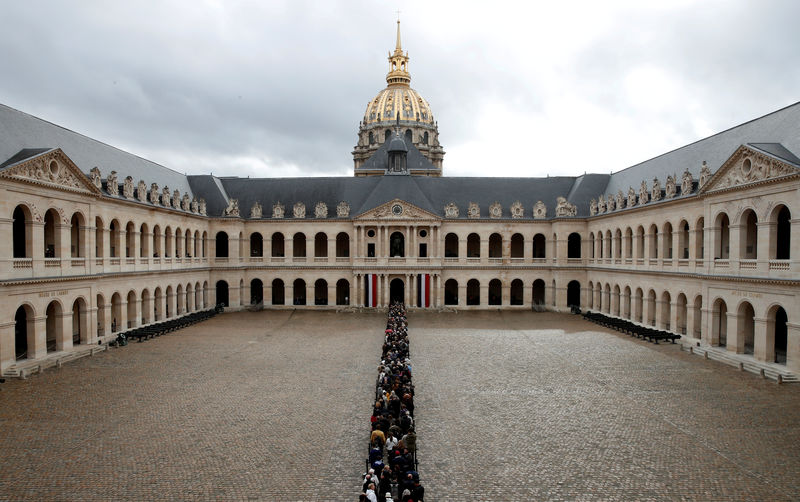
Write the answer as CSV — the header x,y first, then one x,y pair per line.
x,y
277,88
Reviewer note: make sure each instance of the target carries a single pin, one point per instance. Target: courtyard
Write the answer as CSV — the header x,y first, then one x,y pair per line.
x,y
275,405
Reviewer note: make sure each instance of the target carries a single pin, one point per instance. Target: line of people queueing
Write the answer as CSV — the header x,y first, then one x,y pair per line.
x,y
392,463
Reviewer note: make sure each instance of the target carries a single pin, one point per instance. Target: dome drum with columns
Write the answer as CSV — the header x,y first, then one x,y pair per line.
x,y
398,106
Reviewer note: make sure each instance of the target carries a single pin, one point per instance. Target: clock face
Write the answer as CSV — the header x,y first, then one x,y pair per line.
x,y
397,210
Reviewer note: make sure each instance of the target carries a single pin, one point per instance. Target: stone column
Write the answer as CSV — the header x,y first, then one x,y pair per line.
x,y
765,229
690,314
36,229
357,299
793,344
673,314
462,250
505,292
462,294
407,291
64,342
410,231
7,341
735,243
484,292
37,344
332,249
484,251
764,344
63,241
735,341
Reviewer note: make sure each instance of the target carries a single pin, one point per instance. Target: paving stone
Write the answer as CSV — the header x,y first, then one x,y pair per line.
x,y
509,406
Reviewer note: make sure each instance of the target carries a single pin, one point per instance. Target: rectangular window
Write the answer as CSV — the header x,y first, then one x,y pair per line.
x,y
423,250
371,250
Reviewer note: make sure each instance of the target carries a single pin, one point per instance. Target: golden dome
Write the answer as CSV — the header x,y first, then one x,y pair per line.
x,y
398,97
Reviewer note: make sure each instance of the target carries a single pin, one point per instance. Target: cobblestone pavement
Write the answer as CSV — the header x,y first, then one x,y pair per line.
x,y
250,406
527,406
274,406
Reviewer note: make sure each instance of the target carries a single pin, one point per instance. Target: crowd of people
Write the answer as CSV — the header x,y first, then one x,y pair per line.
x,y
392,474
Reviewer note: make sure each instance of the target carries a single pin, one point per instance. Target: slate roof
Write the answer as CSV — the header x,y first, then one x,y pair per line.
x,y
20,132
369,192
23,136
781,126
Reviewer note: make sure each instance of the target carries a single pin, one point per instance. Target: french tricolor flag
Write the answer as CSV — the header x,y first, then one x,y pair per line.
x,y
423,290
370,290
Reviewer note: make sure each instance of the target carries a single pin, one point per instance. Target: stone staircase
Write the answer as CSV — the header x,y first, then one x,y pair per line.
x,y
24,369
771,371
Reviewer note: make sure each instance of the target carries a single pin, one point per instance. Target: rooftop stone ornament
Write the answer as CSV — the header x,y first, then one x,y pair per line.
x,y
232,209
96,179
495,210
539,210
176,199
656,191
321,210
127,187
517,210
154,193
705,174
620,200
601,204
670,188
343,210
165,200
644,195
610,204
474,211
687,182
112,185
195,206
299,210
565,208
451,210
255,211
278,210
631,197
141,191
593,206
185,200
202,204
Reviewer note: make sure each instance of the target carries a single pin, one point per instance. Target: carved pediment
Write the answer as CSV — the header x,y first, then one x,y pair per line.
x,y
397,209
747,166
53,169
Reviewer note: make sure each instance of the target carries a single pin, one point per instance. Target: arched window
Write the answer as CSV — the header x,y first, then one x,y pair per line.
x,y
516,293
277,245
574,294
651,308
256,292
23,331
168,243
666,241
320,245
628,243
495,246
53,332
473,246
574,245
397,245
278,292
130,237
683,240
473,292
144,241
222,246
682,311
80,322
321,292
653,242
256,245
722,240
746,326
409,137
299,292
77,233
222,293
52,236
781,243
748,250
776,335
187,243
387,135
640,239
451,292
592,242
539,246
371,138
299,247
157,240
517,246
451,245
699,239
342,292
343,250
21,231
425,138
618,244
538,293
